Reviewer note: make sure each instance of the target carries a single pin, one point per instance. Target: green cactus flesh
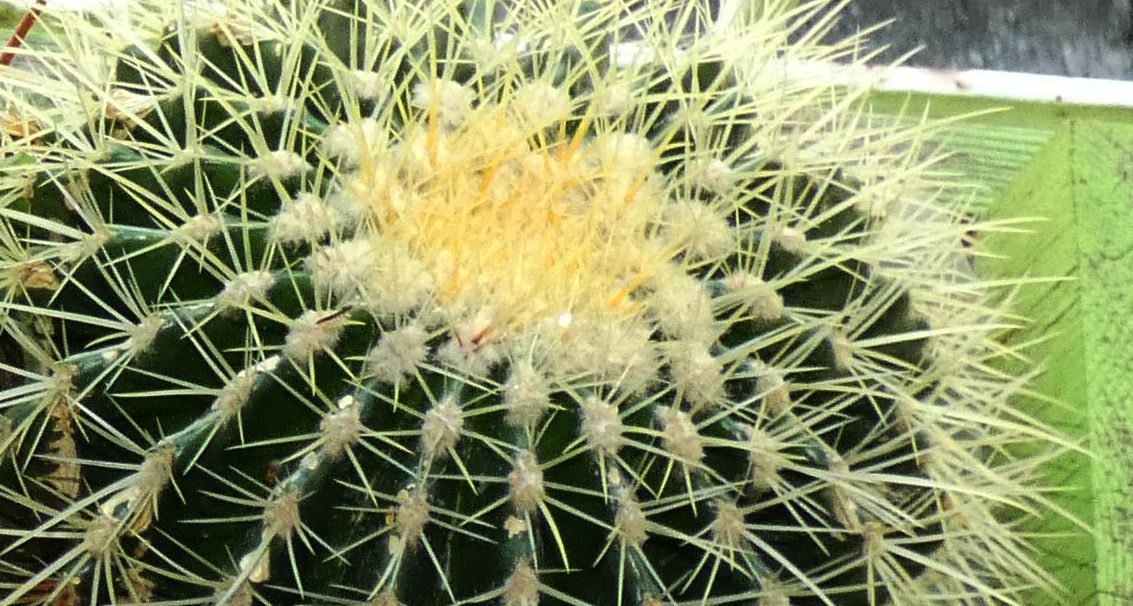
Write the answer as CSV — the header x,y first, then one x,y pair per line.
x,y
357,302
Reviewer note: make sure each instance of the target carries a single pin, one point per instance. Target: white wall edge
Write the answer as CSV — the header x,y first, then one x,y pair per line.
x,y
1004,85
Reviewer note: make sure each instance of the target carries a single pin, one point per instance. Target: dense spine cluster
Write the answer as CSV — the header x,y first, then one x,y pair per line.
x,y
378,302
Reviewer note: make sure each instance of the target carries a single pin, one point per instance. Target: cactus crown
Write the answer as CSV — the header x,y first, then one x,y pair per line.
x,y
366,301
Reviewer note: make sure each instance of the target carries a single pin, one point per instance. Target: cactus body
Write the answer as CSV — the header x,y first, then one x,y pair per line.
x,y
554,303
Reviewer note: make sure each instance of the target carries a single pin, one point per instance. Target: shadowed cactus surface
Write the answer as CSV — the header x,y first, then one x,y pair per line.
x,y
367,302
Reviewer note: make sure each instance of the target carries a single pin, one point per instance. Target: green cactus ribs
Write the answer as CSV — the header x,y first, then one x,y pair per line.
x,y
449,303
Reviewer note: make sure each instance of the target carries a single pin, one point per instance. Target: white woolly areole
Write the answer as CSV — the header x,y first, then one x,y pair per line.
x,y
601,426
615,98
368,85
258,566
306,219
411,516
349,142
522,587
713,175
700,229
281,515
389,598
698,123
526,395
681,306
624,153
101,537
680,438
231,24
384,187
129,107
421,151
773,596
345,209
235,394
198,228
343,269
759,298
449,99
399,283
620,353
244,288
143,487
842,497
630,522
398,354
540,104
268,364
767,457
492,54
773,388
472,350
88,245
280,164
843,349
728,527
442,426
695,371
311,333
342,428
791,239
268,104
142,334
525,483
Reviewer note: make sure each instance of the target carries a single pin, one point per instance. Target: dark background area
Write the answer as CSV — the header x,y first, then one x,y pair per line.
x,y
1091,38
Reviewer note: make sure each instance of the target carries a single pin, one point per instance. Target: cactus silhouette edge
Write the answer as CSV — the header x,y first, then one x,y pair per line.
x,y
456,302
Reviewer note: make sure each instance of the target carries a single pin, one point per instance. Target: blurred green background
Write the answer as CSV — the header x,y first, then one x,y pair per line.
x,y
1070,167
9,17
